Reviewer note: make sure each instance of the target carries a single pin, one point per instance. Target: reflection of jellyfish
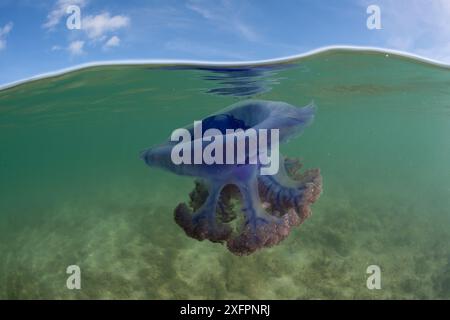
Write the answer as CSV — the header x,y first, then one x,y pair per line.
x,y
242,81
271,204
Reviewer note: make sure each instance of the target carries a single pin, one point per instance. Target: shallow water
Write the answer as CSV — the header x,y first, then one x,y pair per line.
x,y
74,191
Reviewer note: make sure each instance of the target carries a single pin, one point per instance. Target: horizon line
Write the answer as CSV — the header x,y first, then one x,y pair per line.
x,y
137,62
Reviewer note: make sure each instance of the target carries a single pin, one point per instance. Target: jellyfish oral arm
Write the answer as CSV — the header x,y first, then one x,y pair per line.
x,y
252,208
208,209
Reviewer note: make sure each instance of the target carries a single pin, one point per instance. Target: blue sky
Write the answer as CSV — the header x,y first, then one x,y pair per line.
x,y
34,37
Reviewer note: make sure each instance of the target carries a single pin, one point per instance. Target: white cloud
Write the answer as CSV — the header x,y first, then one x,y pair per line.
x,y
201,10
418,26
4,31
76,47
246,31
223,15
59,11
98,26
114,41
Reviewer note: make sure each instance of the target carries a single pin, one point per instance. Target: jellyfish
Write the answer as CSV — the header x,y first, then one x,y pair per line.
x,y
233,202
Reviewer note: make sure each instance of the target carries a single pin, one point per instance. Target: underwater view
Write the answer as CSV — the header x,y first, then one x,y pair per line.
x,y
74,189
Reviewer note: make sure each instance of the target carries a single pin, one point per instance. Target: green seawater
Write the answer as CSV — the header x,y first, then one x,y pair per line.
x,y
73,190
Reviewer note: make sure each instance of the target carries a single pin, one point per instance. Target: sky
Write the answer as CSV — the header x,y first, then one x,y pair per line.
x,y
35,38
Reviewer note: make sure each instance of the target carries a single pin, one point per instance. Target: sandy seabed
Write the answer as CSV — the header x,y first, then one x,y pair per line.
x,y
129,247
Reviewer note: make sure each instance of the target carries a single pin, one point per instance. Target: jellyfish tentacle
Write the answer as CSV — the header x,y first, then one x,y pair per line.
x,y
260,229
202,223
252,208
280,196
289,189
208,209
